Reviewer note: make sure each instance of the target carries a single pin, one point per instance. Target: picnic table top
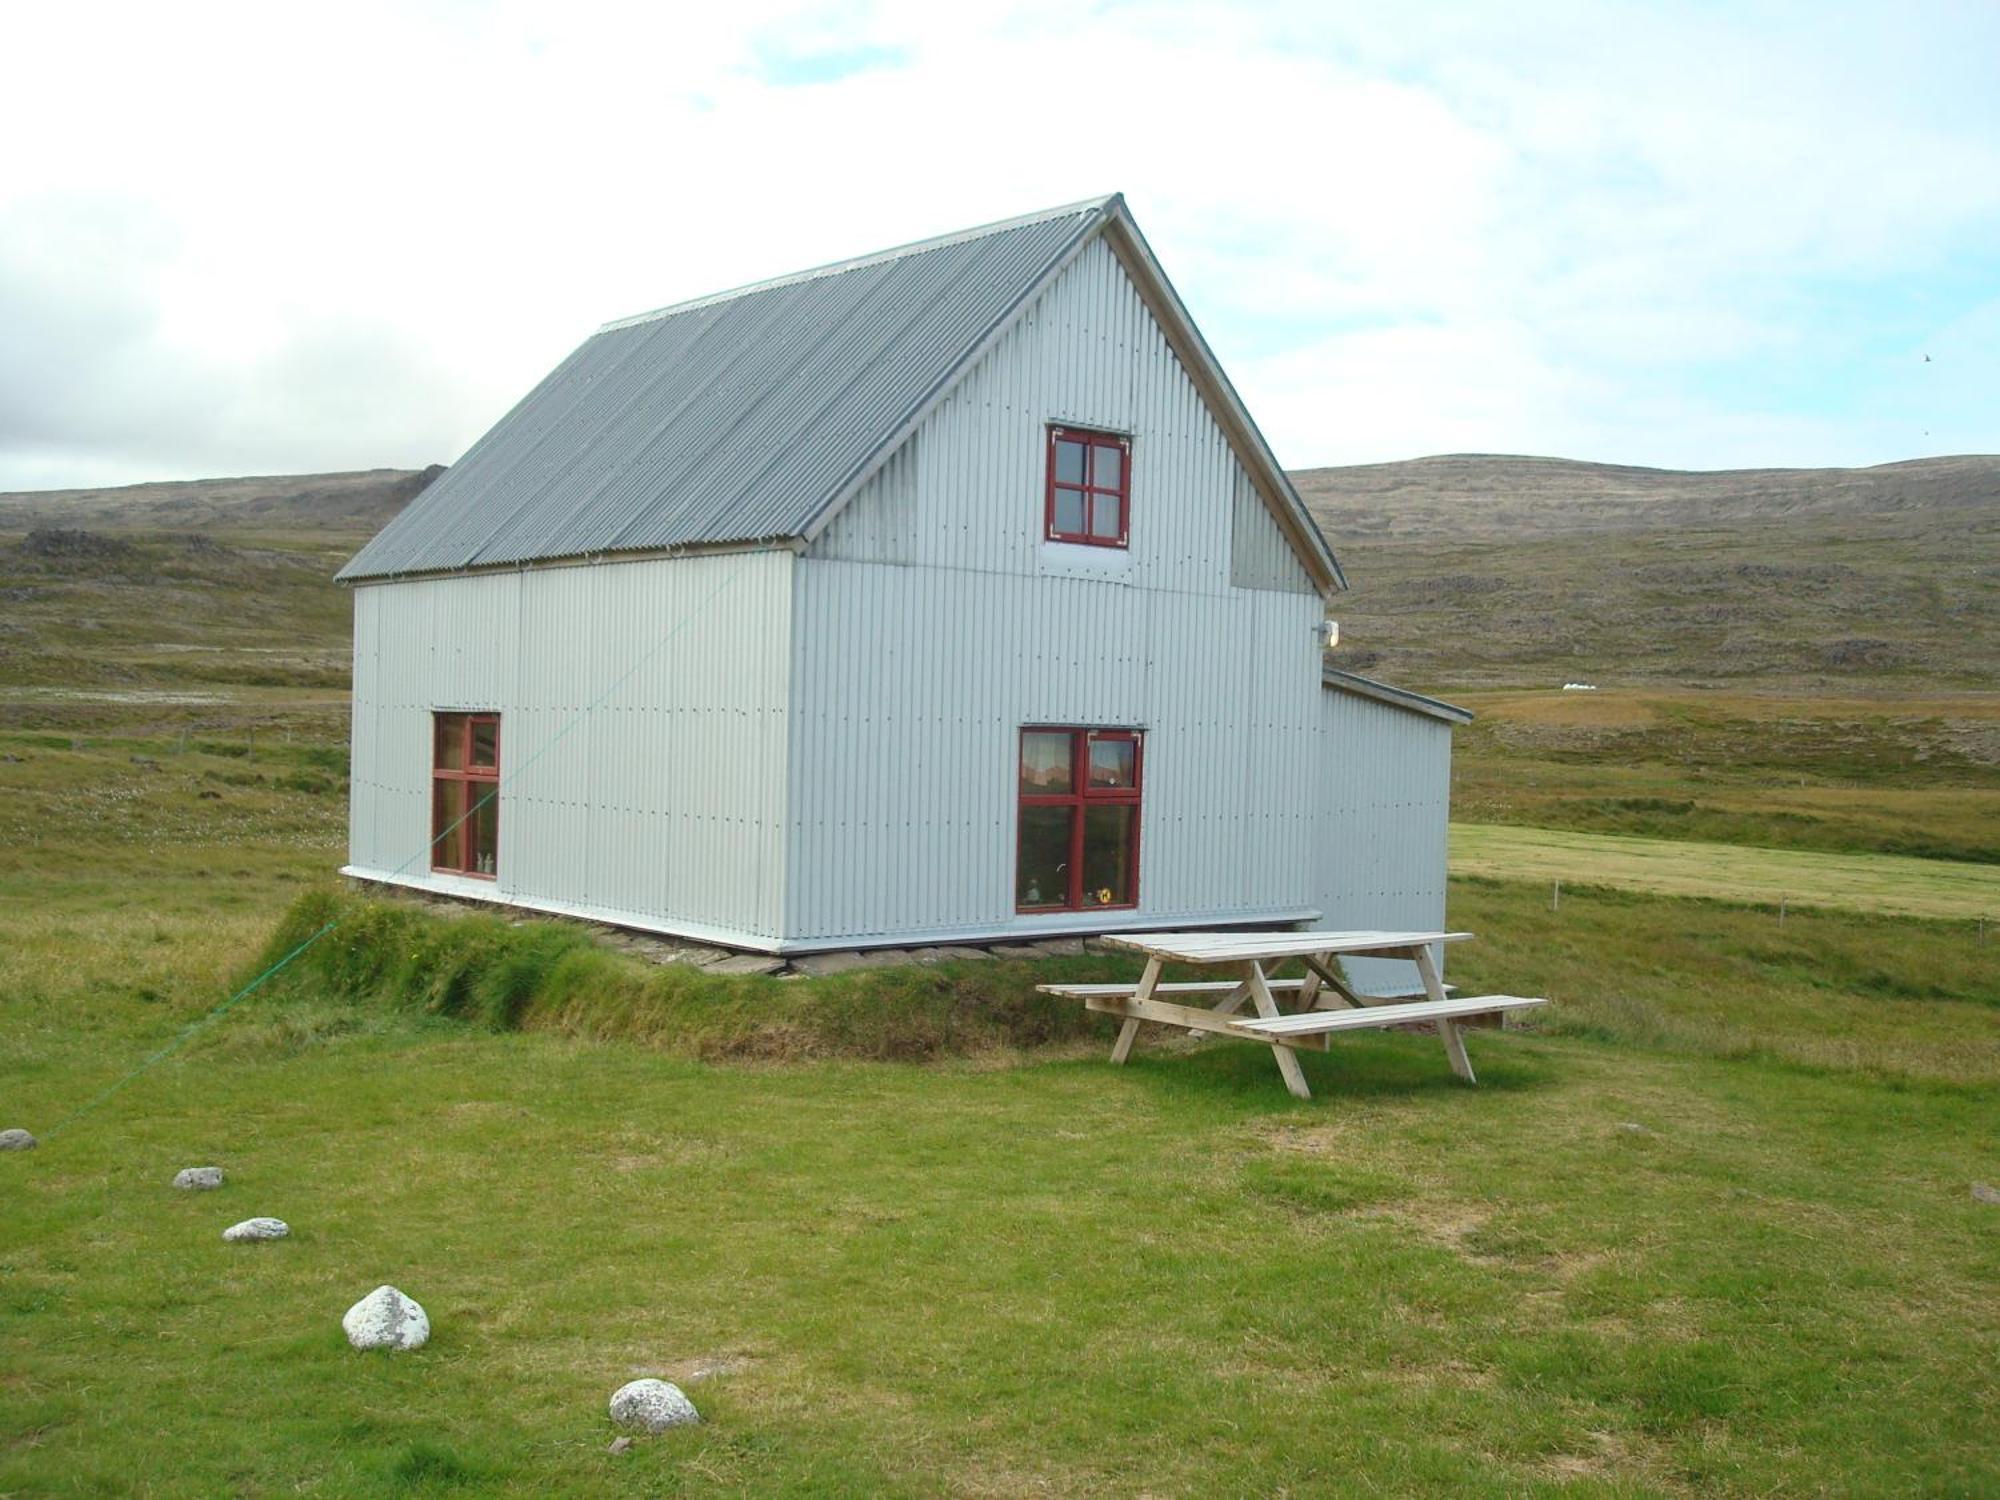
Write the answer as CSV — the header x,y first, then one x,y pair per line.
x,y
1246,947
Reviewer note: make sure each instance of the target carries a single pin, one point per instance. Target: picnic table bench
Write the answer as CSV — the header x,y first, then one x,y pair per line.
x,y
1327,1003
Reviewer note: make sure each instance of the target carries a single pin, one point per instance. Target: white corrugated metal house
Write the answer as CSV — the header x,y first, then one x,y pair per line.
x,y
946,594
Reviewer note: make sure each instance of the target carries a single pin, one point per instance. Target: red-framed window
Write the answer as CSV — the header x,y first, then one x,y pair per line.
x,y
1089,487
1078,838
465,794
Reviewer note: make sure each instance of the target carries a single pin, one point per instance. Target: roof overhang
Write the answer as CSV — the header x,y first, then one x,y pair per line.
x,y
1394,697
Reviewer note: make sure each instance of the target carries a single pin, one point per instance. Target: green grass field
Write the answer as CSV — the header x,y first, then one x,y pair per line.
x,y
1001,1270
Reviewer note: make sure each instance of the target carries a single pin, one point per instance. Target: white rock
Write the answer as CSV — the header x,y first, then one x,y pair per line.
x,y
386,1319
193,1179
654,1405
257,1229
17,1140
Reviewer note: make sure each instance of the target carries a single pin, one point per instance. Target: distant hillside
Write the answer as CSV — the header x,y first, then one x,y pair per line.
x,y
353,504
1514,499
1475,570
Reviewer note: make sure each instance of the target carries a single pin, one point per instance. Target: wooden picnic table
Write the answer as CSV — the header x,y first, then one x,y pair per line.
x,y
1327,1003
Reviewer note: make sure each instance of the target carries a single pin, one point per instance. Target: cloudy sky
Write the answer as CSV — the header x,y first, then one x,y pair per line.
x,y
273,238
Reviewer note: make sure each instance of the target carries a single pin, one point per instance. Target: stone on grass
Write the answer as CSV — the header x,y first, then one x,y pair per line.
x,y
17,1140
386,1319
257,1229
846,960
654,1405
194,1179
744,963
1633,1127
1984,1194
619,1445
949,955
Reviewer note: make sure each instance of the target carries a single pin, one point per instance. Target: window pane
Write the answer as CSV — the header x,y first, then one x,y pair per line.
x,y
486,743
1045,764
1106,464
447,811
1107,854
1114,763
483,828
1104,516
1069,461
1069,512
450,742
1042,875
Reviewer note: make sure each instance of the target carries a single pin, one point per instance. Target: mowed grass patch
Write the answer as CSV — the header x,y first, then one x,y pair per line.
x,y
1900,999
1730,872
1895,773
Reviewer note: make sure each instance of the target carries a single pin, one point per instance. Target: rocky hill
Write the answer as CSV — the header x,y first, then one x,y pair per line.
x,y
347,504
1479,570
1467,570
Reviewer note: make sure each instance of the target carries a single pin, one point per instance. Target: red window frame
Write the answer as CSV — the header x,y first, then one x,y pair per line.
x,y
1080,798
478,781
1090,492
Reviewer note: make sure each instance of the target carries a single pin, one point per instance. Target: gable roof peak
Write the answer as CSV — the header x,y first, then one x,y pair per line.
x,y
1085,208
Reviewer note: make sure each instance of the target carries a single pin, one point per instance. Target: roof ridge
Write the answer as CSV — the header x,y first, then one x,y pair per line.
x,y
873,258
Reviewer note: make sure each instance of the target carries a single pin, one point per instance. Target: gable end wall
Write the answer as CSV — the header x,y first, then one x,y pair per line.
x,y
932,621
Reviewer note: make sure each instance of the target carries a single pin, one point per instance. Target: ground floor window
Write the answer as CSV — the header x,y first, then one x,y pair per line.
x,y
1078,846
465,794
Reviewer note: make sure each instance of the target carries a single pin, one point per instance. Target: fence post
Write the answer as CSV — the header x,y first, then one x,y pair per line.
x,y
1556,896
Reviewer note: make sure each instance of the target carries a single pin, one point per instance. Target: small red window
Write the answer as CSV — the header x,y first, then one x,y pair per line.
x,y
1090,487
1078,846
465,794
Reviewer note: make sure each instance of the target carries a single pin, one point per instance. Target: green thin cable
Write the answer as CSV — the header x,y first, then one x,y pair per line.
x,y
223,1007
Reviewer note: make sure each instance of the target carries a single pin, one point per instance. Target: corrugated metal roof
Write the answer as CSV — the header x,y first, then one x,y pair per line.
x,y
750,415
1382,692
728,419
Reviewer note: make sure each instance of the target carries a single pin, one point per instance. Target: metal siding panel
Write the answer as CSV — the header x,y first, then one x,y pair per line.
x,y
1259,555
1385,804
643,729
910,686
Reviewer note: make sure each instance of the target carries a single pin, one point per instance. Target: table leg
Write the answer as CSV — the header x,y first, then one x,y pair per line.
x,y
1129,1032
1454,1044
1288,1063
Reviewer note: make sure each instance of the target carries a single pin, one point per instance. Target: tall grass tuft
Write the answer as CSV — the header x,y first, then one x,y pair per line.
x,y
391,957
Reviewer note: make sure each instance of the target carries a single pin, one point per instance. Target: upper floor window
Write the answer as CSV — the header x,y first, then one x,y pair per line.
x,y
1090,487
465,794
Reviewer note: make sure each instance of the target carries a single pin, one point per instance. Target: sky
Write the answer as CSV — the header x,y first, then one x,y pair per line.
x,y
257,238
